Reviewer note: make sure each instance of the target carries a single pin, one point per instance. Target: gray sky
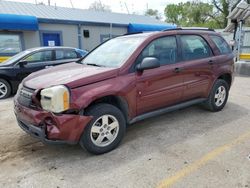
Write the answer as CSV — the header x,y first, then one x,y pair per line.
x,y
137,6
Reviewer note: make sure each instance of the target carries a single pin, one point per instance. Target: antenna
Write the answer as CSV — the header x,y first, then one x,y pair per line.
x,y
126,7
71,3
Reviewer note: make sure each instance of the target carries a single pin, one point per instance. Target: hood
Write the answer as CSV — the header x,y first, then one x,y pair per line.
x,y
3,65
71,74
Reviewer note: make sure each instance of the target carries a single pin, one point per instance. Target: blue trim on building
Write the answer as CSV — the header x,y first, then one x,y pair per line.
x,y
18,22
72,22
134,28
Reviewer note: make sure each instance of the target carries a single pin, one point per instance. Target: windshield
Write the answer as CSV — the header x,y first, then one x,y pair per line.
x,y
15,57
114,52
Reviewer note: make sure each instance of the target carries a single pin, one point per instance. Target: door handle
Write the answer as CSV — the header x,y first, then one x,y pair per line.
x,y
178,69
210,62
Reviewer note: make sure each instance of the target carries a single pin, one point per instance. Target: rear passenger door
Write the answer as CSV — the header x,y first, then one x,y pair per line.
x,y
198,59
65,55
163,86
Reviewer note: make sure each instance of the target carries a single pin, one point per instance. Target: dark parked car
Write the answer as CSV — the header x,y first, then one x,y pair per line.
x,y
125,80
15,69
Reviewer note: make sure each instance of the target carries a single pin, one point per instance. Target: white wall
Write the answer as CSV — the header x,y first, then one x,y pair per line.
x,y
31,39
70,35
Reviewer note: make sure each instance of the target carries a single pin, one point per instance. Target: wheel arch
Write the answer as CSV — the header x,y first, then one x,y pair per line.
x,y
118,101
7,80
227,77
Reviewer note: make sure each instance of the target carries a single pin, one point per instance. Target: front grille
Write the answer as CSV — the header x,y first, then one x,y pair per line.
x,y
25,96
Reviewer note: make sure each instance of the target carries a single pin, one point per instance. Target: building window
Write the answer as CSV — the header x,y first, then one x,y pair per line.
x,y
10,44
105,37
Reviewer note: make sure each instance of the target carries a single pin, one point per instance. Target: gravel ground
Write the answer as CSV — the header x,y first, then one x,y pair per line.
x,y
187,148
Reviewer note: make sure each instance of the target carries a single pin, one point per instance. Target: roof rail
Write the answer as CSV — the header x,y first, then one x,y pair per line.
x,y
191,28
132,33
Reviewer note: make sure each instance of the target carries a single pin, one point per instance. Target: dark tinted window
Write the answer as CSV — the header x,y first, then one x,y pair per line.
x,y
39,57
164,49
221,44
65,54
194,47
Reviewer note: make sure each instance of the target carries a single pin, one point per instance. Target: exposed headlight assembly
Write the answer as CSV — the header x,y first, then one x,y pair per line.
x,y
55,99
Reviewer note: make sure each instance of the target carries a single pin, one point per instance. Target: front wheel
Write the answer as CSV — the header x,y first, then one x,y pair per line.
x,y
5,89
105,131
218,96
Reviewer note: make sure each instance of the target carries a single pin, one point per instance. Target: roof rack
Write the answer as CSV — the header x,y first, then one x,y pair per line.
x,y
132,33
191,28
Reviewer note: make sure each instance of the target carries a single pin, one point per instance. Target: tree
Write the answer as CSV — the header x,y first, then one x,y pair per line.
x,y
153,13
173,13
222,9
98,6
192,13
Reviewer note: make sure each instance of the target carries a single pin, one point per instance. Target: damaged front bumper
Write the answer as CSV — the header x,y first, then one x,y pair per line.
x,y
49,127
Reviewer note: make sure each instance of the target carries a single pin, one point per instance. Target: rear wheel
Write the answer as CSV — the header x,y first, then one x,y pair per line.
x,y
5,89
218,96
105,131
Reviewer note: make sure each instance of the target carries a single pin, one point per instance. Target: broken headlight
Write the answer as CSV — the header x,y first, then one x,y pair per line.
x,y
55,99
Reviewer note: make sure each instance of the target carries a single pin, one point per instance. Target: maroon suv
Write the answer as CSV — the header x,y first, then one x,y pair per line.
x,y
125,80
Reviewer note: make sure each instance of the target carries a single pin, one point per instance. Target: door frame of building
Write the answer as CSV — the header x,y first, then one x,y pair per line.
x,y
41,32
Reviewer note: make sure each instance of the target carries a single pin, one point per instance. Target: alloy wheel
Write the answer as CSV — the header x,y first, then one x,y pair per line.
x,y
3,90
104,130
220,96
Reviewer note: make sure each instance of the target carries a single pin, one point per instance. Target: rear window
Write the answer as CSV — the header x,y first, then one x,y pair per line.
x,y
221,44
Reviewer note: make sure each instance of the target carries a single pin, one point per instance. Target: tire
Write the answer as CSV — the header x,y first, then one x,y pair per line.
x,y
5,89
218,96
105,131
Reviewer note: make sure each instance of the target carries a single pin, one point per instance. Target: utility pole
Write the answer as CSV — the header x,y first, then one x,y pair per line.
x,y
49,2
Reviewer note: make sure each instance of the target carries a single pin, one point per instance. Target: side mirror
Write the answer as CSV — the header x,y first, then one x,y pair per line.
x,y
148,63
22,63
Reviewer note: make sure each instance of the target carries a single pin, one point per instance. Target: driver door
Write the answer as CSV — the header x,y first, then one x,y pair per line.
x,y
34,62
162,86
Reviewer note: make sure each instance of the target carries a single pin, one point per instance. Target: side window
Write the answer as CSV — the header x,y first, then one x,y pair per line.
x,y
164,49
194,47
65,54
39,57
221,44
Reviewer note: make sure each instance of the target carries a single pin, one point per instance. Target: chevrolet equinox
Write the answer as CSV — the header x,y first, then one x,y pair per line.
x,y
125,80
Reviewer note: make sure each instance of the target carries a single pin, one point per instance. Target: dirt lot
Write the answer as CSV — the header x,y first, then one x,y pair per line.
x,y
186,148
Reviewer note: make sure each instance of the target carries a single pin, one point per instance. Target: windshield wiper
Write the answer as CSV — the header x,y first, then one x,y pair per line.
x,y
93,64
